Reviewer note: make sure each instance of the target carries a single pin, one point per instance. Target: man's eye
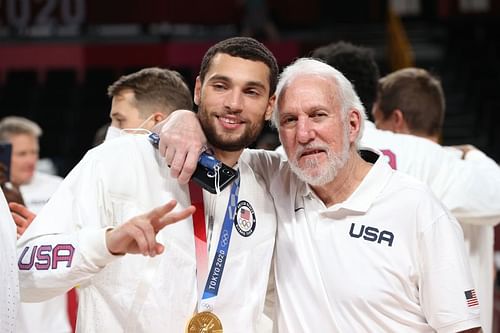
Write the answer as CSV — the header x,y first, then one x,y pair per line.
x,y
288,121
218,86
319,115
252,92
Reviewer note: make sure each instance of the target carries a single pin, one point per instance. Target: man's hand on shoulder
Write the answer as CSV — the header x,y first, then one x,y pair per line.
x,y
181,142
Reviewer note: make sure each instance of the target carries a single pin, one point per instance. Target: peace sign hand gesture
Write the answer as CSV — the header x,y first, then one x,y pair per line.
x,y
138,235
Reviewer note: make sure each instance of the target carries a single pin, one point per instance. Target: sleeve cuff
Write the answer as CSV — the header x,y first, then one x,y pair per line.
x,y
93,247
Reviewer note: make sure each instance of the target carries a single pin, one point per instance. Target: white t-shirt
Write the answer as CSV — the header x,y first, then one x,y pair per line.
x,y
39,190
50,315
9,291
388,259
114,182
470,189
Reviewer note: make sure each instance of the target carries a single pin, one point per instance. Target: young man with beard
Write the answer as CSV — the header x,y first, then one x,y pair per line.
x,y
87,234
360,247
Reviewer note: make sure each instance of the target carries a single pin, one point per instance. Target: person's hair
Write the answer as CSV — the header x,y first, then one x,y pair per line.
x,y
344,94
418,95
13,125
358,65
163,88
246,48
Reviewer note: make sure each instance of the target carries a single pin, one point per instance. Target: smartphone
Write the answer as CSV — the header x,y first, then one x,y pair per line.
x,y
205,174
5,157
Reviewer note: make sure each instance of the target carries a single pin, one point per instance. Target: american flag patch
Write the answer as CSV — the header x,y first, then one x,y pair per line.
x,y
245,214
471,298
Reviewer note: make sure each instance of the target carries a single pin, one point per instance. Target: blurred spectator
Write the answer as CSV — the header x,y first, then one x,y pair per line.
x,y
36,189
46,165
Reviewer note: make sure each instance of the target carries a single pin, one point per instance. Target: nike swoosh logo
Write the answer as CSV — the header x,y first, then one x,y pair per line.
x,y
297,209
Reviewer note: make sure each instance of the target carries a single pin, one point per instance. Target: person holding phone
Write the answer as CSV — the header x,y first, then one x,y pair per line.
x,y
207,271
12,193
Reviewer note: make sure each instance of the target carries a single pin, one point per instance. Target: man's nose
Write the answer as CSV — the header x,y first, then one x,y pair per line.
x,y
234,101
305,130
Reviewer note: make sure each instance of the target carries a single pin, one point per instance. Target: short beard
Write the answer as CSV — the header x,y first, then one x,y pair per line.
x,y
226,143
311,172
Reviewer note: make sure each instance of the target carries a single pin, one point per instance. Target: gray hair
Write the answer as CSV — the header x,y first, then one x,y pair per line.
x,y
18,125
345,94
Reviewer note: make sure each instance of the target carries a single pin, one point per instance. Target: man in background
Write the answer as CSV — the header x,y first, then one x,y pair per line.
x,y
142,99
411,101
36,188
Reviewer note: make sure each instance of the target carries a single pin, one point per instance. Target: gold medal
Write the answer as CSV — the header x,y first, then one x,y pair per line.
x,y
204,322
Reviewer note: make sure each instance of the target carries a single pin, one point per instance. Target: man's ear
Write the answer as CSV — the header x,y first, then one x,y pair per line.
x,y
270,107
399,122
197,91
158,117
354,120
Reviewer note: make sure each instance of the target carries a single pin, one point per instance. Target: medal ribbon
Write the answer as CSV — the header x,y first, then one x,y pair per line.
x,y
217,268
200,233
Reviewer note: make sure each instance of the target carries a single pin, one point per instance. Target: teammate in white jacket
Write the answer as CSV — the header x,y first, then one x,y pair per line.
x,y
70,242
140,99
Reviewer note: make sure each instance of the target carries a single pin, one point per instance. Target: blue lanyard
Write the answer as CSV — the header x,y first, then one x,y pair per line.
x,y
217,268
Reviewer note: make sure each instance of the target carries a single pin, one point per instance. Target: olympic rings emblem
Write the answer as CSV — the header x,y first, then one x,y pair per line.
x,y
246,223
224,238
